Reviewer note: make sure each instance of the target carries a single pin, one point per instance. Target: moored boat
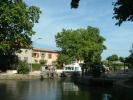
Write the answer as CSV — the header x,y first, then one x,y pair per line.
x,y
71,69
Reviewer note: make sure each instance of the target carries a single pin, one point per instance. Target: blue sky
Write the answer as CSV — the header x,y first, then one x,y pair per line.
x,y
57,14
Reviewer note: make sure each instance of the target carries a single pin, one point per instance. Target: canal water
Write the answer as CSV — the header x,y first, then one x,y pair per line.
x,y
50,89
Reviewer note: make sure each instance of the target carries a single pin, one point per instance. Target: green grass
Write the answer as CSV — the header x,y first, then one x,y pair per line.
x,y
36,67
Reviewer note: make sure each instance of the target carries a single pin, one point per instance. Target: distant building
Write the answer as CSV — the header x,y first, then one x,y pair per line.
x,y
25,55
35,55
44,54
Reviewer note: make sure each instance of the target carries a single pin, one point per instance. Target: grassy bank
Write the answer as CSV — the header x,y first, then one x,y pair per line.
x,y
36,67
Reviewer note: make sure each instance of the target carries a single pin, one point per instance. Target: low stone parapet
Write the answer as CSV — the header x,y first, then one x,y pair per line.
x,y
91,81
18,77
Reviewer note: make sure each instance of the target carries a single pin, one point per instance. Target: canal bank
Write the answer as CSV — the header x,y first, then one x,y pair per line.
x,y
95,82
18,77
11,75
24,77
120,89
104,81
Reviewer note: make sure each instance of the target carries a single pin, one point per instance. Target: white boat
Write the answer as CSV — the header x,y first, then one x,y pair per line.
x,y
71,69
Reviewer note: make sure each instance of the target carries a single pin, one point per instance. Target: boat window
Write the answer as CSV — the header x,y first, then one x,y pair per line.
x,y
72,68
76,69
69,68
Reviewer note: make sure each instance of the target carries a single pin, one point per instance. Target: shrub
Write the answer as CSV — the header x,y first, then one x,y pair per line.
x,y
43,62
96,70
23,68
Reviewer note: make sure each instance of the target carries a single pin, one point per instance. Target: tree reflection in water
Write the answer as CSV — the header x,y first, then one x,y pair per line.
x,y
50,89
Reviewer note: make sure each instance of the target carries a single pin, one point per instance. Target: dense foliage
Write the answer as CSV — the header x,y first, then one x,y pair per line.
x,y
80,44
16,23
123,11
96,69
63,59
74,3
8,62
23,68
115,62
129,59
113,57
43,62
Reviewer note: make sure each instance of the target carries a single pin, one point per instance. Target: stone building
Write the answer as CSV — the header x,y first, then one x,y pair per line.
x,y
35,55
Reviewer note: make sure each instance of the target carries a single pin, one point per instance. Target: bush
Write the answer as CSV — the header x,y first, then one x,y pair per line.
x,y
43,62
23,68
96,70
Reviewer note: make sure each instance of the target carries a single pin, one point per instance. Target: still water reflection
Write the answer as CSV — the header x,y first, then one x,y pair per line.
x,y
49,90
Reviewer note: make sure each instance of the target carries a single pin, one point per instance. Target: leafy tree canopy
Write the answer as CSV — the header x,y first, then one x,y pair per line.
x,y
16,23
63,59
113,57
123,11
81,44
129,59
74,3
122,59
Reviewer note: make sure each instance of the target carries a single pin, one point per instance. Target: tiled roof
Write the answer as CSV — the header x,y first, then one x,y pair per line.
x,y
44,50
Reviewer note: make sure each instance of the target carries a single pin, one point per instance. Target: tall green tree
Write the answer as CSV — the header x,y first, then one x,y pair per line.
x,y
62,60
129,59
122,59
81,44
113,57
111,61
16,23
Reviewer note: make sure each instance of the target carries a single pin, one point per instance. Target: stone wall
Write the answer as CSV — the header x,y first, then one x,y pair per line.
x,y
18,77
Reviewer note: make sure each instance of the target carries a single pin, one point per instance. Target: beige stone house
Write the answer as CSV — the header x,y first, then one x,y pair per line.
x,y
25,55
35,55
44,54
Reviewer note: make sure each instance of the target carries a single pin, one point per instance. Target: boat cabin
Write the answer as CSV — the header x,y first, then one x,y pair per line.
x,y
72,68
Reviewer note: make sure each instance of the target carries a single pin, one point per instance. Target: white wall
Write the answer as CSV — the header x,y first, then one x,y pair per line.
x,y
25,53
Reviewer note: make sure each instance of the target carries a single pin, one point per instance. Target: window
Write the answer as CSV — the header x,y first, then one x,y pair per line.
x,y
49,56
35,55
69,68
76,68
42,56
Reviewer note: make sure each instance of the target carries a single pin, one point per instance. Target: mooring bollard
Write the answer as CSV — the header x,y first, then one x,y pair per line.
x,y
41,78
